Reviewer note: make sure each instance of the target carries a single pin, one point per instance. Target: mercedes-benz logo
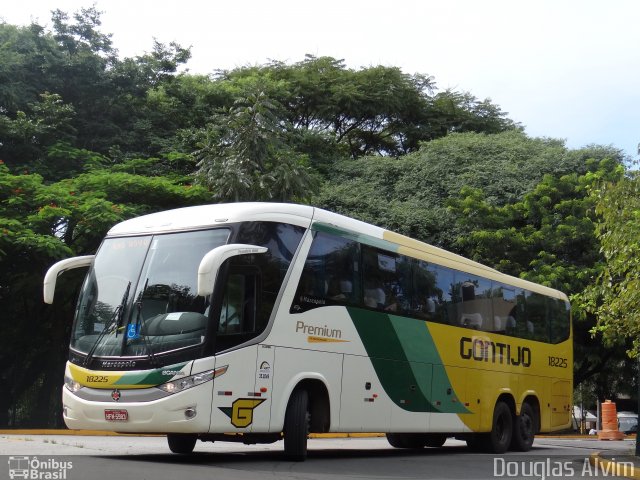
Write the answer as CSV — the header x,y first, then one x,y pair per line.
x,y
116,395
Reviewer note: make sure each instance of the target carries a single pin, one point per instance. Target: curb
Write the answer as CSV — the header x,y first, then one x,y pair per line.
x,y
53,431
610,467
81,433
100,433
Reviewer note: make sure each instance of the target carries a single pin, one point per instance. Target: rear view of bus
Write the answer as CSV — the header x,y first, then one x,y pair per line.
x,y
259,322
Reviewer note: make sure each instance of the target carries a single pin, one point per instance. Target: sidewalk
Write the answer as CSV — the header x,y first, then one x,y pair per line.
x,y
627,465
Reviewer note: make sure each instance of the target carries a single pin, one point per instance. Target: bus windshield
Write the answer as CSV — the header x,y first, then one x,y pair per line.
x,y
139,299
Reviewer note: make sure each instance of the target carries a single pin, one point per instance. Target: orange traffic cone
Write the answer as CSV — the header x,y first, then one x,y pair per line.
x,y
609,422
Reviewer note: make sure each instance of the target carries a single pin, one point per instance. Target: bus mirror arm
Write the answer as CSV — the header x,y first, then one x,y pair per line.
x,y
49,285
213,260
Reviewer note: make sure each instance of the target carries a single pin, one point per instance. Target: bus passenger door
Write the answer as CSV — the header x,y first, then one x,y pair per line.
x,y
241,405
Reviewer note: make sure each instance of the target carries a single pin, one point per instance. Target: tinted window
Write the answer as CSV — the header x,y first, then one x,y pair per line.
x,y
330,275
537,327
433,292
386,280
474,308
254,281
410,287
559,319
505,309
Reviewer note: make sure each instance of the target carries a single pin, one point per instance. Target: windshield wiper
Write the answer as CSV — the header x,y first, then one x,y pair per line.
x,y
115,319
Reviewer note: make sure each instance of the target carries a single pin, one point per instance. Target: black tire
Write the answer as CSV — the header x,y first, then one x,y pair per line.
x,y
296,426
181,443
406,440
524,429
502,429
434,440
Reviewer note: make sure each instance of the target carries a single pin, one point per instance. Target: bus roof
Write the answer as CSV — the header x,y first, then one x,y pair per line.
x,y
206,216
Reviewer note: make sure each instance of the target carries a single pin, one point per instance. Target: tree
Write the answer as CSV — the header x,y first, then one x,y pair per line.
x,y
243,155
39,224
548,237
26,58
409,194
613,297
374,110
27,140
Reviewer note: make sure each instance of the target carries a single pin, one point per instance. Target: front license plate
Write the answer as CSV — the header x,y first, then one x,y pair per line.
x,y
116,415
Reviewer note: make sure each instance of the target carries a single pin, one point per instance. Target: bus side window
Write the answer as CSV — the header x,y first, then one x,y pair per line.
x,y
330,274
255,280
559,319
235,314
537,320
425,292
474,309
505,309
445,294
387,280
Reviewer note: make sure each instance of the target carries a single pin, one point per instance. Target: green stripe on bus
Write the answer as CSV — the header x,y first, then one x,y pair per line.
x,y
405,359
154,377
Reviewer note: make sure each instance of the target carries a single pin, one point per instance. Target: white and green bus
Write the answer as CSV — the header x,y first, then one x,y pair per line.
x,y
256,322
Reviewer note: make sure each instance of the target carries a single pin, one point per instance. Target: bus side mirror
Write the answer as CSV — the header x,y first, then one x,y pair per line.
x,y
212,261
49,286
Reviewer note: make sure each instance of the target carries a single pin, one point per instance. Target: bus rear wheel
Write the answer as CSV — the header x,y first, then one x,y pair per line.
x,y
502,430
524,429
181,443
296,426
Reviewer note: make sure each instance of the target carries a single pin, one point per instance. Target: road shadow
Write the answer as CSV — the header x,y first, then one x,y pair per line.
x,y
448,462
315,454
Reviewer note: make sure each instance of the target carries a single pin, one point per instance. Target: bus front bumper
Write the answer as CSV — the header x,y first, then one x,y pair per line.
x,y
185,412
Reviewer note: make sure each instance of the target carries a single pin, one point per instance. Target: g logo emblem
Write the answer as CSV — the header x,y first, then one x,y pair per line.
x,y
242,411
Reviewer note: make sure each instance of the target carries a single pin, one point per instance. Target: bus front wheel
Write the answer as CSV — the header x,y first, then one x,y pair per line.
x,y
296,426
435,440
406,440
524,429
181,443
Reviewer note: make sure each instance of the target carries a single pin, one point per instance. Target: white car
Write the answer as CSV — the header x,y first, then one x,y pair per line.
x,y
628,422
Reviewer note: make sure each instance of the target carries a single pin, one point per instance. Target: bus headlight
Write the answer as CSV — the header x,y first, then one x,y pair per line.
x,y
185,383
71,384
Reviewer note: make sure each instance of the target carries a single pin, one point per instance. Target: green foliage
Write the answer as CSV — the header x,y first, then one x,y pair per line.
x,y
547,237
374,110
243,155
39,224
26,56
409,194
26,138
613,297
552,225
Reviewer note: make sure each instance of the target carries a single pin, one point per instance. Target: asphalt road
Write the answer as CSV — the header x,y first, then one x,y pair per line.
x,y
138,458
